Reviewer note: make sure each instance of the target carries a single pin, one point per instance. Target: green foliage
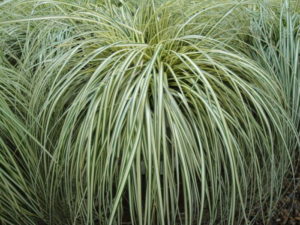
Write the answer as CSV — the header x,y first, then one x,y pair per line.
x,y
276,46
149,113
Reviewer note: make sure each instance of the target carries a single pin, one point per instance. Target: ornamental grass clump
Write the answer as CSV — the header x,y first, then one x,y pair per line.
x,y
275,39
139,113
18,161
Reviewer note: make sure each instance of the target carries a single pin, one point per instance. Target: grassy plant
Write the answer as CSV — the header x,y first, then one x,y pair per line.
x,y
276,41
18,160
137,113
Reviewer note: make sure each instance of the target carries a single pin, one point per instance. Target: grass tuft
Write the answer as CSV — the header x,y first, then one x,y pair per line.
x,y
117,112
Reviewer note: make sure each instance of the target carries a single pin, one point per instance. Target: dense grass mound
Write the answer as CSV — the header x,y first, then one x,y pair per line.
x,y
142,113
